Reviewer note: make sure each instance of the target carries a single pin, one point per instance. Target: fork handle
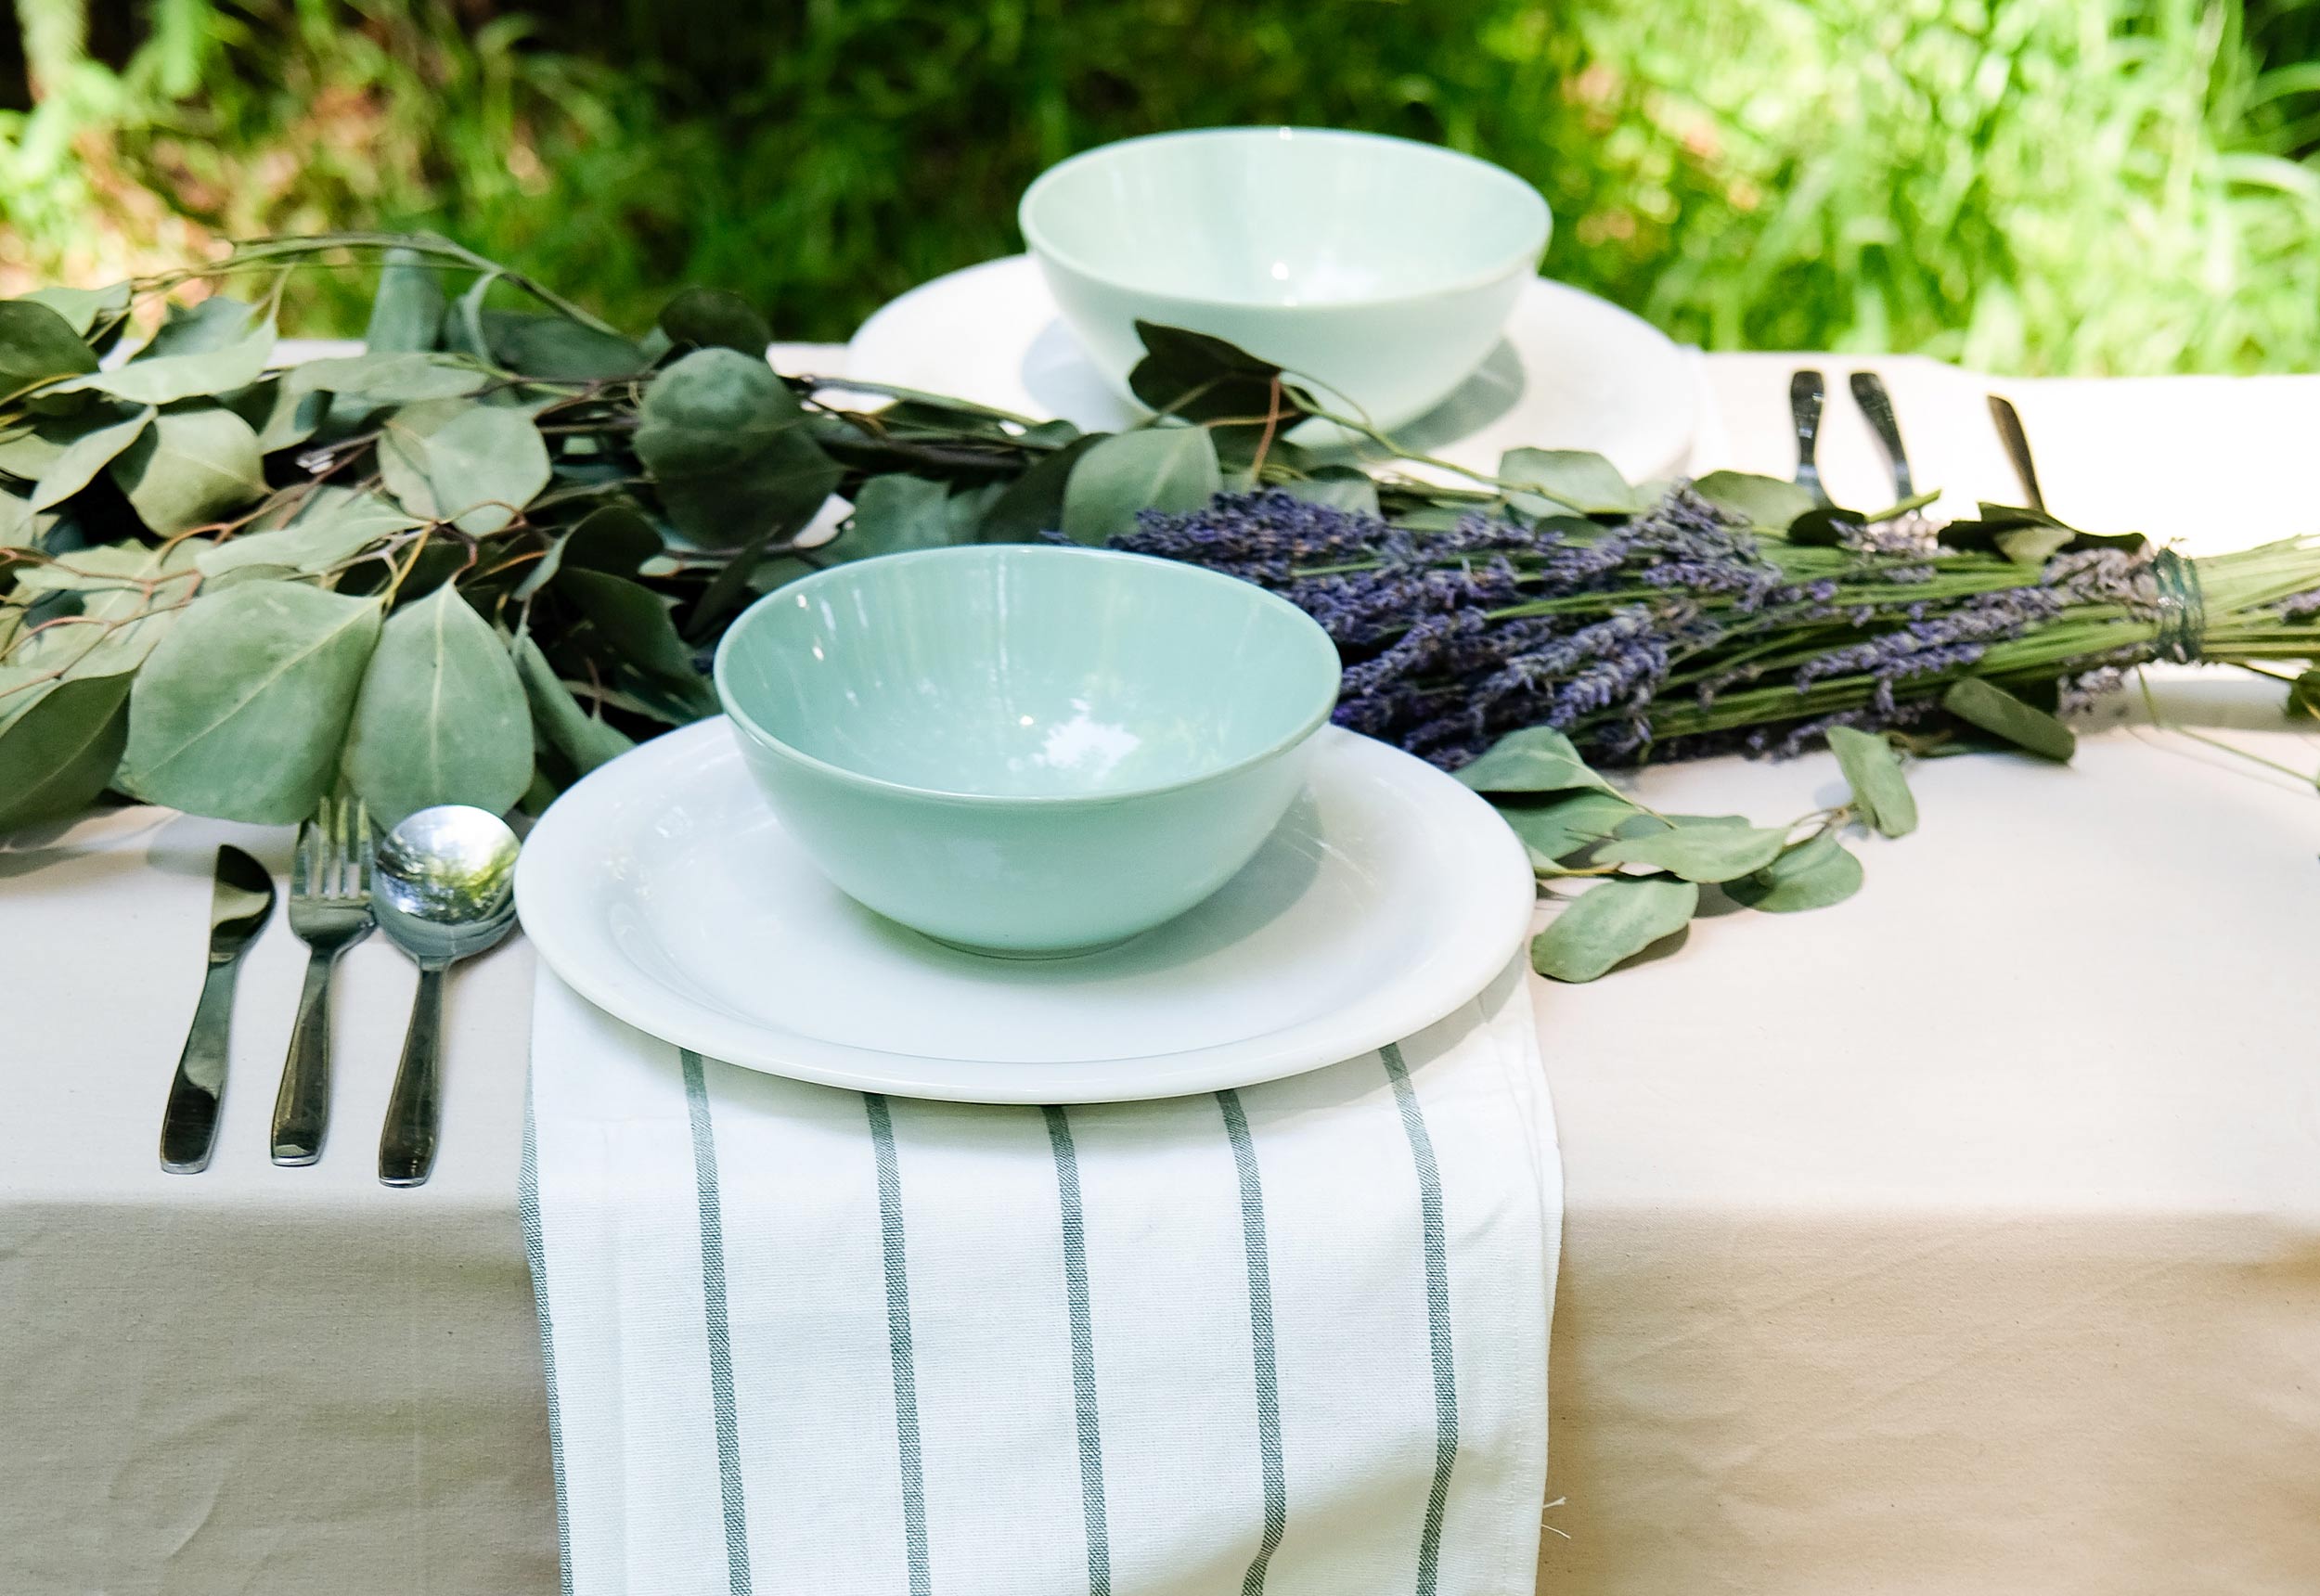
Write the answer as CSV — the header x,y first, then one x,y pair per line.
x,y
406,1145
1807,391
1877,405
302,1108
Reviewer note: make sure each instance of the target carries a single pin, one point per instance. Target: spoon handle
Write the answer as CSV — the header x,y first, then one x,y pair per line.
x,y
406,1145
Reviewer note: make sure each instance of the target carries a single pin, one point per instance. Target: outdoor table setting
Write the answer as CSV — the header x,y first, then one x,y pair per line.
x,y
1140,933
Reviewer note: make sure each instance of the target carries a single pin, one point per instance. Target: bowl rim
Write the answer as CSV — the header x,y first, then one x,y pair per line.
x,y
1043,249
1313,720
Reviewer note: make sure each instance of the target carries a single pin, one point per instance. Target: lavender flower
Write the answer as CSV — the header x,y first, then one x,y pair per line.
x,y
1454,637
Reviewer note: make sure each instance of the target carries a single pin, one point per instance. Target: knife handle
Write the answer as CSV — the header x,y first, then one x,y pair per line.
x,y
190,1123
406,1145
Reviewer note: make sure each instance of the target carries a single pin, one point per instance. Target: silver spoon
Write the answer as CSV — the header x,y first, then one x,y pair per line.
x,y
444,888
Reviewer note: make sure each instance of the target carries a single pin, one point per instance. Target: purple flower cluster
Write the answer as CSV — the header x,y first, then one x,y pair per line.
x,y
1260,537
1453,637
1934,644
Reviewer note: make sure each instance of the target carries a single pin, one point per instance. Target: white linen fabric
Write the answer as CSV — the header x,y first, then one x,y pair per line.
x,y
1285,1339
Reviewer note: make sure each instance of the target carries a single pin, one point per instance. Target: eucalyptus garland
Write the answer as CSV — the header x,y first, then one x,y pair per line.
x,y
494,549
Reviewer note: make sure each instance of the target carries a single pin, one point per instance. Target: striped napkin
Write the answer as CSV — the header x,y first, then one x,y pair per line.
x,y
1286,1339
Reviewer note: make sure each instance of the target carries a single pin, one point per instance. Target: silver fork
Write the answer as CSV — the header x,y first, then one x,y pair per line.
x,y
1807,391
330,911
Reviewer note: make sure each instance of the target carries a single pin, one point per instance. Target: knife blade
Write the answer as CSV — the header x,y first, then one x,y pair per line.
x,y
241,901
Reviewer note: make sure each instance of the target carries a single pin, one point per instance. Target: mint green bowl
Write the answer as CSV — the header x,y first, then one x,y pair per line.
x,y
1025,750
1381,268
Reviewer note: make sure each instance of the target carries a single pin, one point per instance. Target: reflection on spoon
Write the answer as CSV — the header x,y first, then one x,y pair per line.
x,y
443,889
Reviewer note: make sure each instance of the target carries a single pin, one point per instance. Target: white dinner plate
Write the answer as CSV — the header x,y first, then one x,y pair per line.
x,y
662,890
1572,372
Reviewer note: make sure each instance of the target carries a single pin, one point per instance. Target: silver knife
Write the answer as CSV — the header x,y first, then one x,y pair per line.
x,y
241,900
2009,424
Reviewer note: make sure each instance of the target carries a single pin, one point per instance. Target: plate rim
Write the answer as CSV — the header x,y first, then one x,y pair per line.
x,y
557,917
1023,263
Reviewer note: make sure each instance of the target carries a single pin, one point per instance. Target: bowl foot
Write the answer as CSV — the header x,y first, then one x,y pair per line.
x,y
1031,955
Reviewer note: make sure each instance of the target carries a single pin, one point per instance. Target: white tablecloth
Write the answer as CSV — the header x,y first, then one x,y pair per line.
x,y
1964,1238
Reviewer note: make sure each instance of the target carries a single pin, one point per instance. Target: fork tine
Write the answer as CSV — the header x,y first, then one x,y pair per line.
x,y
298,858
341,850
361,865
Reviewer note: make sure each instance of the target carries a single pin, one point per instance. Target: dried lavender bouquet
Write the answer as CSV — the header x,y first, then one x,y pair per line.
x,y
1710,621
1523,639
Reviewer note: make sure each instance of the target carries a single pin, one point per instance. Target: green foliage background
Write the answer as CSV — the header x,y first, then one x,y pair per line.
x,y
2084,185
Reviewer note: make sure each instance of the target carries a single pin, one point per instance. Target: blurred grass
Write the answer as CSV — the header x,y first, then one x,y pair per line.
x,y
2085,185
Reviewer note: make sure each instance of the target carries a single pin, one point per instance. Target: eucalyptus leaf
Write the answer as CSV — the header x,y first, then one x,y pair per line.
x,y
323,537
1648,825
1555,829
554,346
711,413
280,414
894,514
1766,502
727,445
61,750
1874,772
2304,694
1991,707
1166,468
136,621
167,379
571,730
190,467
1339,487
773,494
1610,922
1033,503
240,709
84,456
1203,379
463,323
108,566
1711,852
37,344
475,466
81,308
2033,544
390,379
218,322
1537,759
20,525
708,318
614,538
1828,526
407,312
28,452
1813,874
1584,482
637,632
441,718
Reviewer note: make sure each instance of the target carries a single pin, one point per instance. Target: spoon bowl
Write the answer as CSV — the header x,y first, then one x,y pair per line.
x,y
442,887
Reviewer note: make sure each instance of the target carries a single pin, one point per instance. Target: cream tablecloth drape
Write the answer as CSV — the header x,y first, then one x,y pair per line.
x,y
1964,1238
